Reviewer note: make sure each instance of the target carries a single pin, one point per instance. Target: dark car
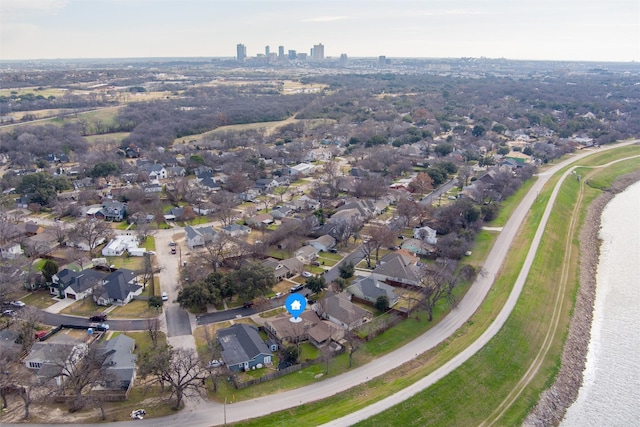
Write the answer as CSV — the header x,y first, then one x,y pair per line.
x,y
248,304
98,318
333,251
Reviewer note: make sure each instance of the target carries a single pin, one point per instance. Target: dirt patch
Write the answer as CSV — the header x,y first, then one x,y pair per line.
x,y
555,401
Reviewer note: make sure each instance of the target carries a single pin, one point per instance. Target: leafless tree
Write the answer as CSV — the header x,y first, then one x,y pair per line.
x,y
226,202
29,319
91,231
184,374
439,281
81,370
354,341
154,329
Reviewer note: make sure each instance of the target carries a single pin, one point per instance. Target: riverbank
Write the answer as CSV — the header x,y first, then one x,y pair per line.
x,y
554,402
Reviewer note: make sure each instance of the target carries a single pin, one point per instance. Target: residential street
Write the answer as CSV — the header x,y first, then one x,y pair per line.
x,y
212,413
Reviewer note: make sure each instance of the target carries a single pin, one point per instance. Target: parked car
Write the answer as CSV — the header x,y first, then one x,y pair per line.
x,y
9,313
296,288
215,363
18,303
315,263
98,318
248,304
173,250
333,251
165,297
138,414
172,243
99,326
40,334
306,274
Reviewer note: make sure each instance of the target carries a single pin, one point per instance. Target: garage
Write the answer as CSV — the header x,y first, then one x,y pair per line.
x,y
72,296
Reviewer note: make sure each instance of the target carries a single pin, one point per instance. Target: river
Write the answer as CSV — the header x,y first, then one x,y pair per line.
x,y
610,394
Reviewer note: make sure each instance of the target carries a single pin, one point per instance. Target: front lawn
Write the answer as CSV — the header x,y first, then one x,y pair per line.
x,y
136,309
40,299
84,308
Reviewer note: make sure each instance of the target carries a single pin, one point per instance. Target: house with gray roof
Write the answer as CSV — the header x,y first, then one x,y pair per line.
x,y
398,270
242,348
283,269
75,284
368,290
338,309
322,243
199,236
236,230
118,287
119,362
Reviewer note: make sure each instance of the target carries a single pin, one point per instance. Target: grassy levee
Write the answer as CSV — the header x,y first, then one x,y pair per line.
x,y
469,394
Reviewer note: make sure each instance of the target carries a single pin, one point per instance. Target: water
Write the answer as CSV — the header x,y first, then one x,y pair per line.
x,y
610,394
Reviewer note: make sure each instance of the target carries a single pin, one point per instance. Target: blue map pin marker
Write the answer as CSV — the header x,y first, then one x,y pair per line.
x,y
295,305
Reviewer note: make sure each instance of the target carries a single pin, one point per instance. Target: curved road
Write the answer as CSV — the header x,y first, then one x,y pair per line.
x,y
213,413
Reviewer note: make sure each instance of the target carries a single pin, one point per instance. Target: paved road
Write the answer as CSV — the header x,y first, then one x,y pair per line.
x,y
53,319
429,199
213,413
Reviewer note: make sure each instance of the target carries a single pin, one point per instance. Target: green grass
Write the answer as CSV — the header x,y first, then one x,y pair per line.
x,y
84,308
135,309
464,397
40,299
150,243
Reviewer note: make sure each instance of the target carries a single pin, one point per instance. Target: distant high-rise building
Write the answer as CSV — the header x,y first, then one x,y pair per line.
x,y
318,52
241,52
382,60
267,49
280,52
343,60
292,55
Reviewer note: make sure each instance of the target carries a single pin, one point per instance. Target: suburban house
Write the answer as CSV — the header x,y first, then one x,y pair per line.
x,y
119,362
283,269
236,230
122,243
112,211
418,247
49,358
265,185
368,290
322,243
319,332
306,254
242,348
338,309
261,220
155,171
75,285
281,212
398,269
41,243
10,250
118,287
152,188
425,233
301,169
199,236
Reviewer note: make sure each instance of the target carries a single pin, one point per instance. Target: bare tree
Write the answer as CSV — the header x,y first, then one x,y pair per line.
x,y
184,374
331,170
82,370
354,341
154,328
91,231
29,319
226,202
438,283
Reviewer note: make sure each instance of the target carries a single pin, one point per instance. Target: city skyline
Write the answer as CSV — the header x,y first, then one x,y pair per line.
x,y
589,30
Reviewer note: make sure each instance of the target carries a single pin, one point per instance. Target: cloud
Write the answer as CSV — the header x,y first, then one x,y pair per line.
x,y
326,19
450,12
11,5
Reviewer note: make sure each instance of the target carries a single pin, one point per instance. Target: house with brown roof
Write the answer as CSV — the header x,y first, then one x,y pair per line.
x,y
285,268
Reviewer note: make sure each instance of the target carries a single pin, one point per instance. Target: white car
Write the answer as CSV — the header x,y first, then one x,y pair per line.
x,y
306,274
215,363
165,297
17,303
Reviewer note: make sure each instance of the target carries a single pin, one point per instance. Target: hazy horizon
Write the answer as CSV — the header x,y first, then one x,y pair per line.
x,y
562,30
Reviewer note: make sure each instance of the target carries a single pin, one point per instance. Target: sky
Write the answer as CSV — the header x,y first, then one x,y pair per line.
x,y
574,30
